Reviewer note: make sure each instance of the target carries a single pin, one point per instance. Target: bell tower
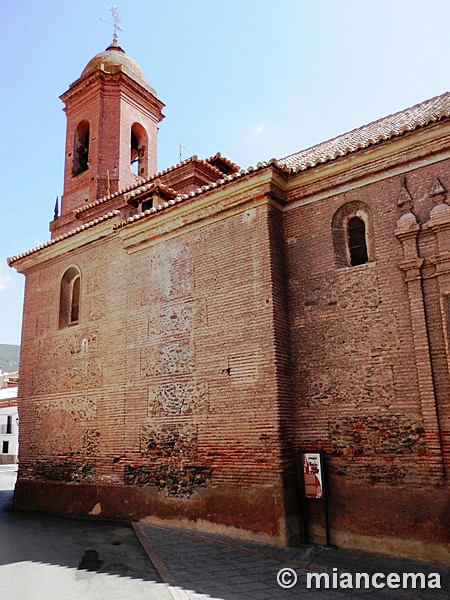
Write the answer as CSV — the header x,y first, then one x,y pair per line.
x,y
112,128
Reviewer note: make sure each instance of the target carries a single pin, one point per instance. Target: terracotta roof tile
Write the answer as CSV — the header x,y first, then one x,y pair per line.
x,y
155,186
394,125
71,233
143,182
201,190
179,198
233,167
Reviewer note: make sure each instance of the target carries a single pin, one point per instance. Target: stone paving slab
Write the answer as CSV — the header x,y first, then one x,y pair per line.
x,y
197,566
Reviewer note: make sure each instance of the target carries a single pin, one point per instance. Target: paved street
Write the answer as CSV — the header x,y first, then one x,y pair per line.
x,y
208,566
59,559
62,559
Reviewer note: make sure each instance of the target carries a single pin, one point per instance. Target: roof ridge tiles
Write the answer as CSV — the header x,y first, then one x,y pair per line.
x,y
392,125
226,160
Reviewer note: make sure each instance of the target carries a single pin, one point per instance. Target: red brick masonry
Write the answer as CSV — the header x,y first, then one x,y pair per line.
x,y
224,329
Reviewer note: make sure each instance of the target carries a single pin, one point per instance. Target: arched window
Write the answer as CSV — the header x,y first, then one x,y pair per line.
x,y
352,231
138,150
81,148
357,243
69,303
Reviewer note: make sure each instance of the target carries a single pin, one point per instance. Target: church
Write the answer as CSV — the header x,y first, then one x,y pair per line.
x,y
188,333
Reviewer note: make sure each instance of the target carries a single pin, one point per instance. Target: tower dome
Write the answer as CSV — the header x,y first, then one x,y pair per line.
x,y
112,60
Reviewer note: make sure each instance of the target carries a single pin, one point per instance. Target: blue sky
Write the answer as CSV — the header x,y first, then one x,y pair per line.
x,y
252,79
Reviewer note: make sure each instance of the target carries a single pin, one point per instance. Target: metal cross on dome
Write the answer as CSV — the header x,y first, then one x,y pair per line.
x,y
117,21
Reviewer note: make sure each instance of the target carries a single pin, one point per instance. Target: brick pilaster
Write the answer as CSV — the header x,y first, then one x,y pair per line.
x,y
407,232
439,223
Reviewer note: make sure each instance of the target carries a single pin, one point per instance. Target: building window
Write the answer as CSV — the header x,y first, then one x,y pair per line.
x,y
352,233
70,294
138,150
357,244
81,148
5,447
9,424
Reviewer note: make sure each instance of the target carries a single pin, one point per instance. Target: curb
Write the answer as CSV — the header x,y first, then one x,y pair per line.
x,y
164,572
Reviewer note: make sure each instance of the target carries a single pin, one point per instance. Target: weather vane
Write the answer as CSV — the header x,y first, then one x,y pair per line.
x,y
117,21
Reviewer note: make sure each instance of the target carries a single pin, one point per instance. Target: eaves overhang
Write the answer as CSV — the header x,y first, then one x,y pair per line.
x,y
260,184
76,238
401,154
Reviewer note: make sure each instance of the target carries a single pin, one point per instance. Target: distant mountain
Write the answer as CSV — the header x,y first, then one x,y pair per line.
x,y
9,357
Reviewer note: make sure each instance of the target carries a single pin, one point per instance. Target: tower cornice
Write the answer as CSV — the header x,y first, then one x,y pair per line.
x,y
98,79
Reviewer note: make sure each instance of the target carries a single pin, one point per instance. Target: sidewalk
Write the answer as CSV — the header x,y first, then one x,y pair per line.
x,y
198,566
53,558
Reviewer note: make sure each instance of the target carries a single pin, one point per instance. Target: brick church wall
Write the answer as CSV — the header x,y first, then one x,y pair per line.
x,y
355,381
168,388
203,361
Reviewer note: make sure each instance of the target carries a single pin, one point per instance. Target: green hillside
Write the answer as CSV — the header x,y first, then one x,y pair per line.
x,y
9,357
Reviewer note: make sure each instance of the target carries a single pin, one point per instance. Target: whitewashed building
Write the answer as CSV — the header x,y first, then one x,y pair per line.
x,y
9,426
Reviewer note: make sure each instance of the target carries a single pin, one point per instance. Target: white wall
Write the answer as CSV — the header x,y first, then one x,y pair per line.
x,y
9,444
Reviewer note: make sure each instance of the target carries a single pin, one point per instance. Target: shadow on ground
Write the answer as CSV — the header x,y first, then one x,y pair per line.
x,y
100,546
